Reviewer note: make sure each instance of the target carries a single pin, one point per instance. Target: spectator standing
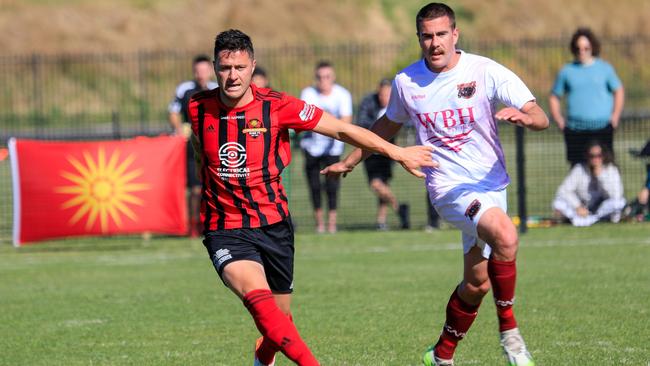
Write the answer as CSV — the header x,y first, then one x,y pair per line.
x,y
379,169
179,121
594,95
321,151
593,190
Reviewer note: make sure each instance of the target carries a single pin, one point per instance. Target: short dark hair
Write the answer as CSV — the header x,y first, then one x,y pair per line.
x,y
200,58
259,71
593,40
385,82
233,40
323,63
433,11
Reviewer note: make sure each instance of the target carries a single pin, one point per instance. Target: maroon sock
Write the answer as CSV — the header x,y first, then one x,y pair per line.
x,y
460,316
503,276
276,326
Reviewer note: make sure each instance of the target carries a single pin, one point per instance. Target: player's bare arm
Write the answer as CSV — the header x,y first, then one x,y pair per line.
x,y
411,158
383,127
530,116
556,113
619,100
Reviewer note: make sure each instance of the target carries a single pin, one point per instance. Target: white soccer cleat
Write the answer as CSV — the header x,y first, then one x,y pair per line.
x,y
430,359
514,348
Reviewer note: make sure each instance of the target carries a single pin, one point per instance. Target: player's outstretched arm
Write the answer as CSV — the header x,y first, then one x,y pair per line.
x,y
411,158
530,116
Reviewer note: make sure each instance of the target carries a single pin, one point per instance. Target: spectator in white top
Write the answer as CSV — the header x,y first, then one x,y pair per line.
x,y
321,151
592,191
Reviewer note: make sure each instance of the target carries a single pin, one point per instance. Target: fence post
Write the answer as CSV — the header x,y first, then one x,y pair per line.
x,y
115,119
521,179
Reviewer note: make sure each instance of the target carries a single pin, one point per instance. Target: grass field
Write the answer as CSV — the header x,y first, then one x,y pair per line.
x,y
362,298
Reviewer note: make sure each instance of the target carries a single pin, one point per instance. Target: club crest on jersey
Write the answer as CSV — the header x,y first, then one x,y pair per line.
x,y
254,128
466,90
473,209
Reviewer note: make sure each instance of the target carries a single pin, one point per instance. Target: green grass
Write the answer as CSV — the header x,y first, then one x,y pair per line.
x,y
362,298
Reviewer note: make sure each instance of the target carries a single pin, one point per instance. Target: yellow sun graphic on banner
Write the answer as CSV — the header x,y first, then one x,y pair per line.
x,y
102,189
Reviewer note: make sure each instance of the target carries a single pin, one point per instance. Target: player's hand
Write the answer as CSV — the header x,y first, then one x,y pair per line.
x,y
413,158
337,170
515,116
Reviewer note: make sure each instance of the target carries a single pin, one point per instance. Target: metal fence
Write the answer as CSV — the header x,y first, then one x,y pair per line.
x,y
116,95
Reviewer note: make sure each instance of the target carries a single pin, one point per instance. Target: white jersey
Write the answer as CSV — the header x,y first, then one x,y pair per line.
x,y
453,111
339,104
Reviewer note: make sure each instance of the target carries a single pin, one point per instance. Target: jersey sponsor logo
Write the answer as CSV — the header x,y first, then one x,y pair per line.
x,y
442,124
238,116
473,209
418,96
307,112
254,128
466,90
232,155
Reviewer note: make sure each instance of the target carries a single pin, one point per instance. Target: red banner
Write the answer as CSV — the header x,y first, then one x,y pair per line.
x,y
98,188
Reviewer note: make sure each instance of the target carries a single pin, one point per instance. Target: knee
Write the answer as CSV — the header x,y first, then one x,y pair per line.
x,y
477,289
506,244
376,185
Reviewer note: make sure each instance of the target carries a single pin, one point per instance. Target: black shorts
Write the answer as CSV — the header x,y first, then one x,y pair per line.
x,y
271,246
378,167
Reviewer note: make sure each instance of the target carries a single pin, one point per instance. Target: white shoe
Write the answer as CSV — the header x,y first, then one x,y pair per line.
x,y
584,221
514,348
430,359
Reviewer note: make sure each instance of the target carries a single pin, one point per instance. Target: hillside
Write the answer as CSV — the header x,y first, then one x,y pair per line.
x,y
52,26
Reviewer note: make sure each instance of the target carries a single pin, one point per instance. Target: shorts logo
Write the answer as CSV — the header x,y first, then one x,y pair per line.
x,y
232,155
466,90
221,256
473,209
254,128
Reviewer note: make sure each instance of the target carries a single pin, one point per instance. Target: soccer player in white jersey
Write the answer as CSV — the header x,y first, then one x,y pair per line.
x,y
451,97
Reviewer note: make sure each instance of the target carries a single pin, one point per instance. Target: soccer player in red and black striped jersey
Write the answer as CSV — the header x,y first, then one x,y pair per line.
x,y
240,133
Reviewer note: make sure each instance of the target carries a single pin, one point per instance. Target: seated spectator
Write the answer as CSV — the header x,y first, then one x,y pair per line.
x,y
592,191
640,207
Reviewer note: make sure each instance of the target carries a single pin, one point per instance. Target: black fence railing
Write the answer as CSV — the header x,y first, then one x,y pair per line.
x,y
119,95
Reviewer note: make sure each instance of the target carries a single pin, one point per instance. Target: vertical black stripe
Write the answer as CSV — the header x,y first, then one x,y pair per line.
x,y
266,174
243,179
204,175
223,139
279,163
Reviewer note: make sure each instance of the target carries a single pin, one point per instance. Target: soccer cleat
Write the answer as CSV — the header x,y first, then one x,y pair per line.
x,y
257,362
403,213
514,348
430,359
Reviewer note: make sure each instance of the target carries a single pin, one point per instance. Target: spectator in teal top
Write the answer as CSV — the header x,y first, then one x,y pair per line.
x,y
594,96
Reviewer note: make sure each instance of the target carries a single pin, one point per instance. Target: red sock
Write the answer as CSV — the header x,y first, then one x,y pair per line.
x,y
266,349
460,316
276,326
503,276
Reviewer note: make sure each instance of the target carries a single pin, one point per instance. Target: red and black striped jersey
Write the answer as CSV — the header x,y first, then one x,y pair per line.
x,y
244,152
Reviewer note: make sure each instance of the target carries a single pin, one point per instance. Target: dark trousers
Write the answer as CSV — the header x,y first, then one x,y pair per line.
x,y
313,166
577,140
